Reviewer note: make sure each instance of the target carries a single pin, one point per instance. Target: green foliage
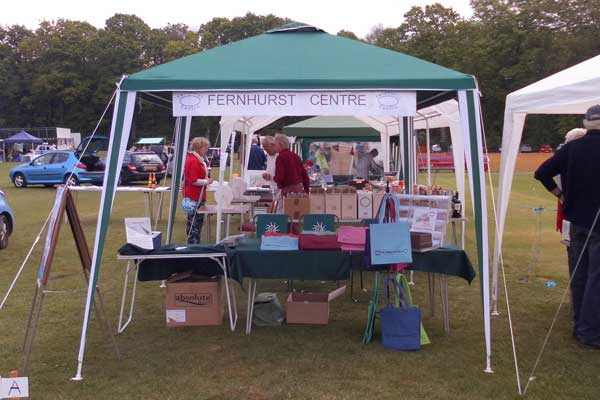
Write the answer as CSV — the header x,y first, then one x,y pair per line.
x,y
64,72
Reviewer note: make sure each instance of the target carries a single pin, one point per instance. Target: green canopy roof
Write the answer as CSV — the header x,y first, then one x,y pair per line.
x,y
331,127
299,57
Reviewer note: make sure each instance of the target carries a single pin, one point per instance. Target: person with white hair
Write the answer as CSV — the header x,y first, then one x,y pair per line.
x,y
256,159
578,163
195,184
290,174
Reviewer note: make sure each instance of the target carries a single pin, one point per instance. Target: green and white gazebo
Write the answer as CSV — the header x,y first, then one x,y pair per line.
x,y
296,70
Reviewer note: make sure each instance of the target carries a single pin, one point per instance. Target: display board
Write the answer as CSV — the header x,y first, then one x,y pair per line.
x,y
427,213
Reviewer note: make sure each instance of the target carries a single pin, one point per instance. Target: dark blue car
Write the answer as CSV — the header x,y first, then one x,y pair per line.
x,y
7,221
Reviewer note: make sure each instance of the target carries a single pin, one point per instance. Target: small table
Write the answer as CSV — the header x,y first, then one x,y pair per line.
x,y
148,197
444,262
210,210
253,263
133,263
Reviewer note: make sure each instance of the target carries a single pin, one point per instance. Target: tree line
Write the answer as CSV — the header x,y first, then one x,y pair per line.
x,y
64,72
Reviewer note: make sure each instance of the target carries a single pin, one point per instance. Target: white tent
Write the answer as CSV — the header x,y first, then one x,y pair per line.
x,y
446,115
571,91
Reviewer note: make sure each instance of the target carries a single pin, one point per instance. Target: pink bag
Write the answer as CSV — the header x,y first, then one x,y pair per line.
x,y
352,237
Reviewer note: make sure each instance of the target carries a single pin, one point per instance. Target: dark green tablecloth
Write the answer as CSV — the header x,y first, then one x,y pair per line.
x,y
445,260
298,265
160,269
248,260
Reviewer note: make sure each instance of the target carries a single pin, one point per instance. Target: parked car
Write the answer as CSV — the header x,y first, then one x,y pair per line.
x,y
436,148
6,221
545,149
90,151
525,148
49,169
138,165
443,162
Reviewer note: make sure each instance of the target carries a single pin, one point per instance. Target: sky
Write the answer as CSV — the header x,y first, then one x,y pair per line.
x,y
357,16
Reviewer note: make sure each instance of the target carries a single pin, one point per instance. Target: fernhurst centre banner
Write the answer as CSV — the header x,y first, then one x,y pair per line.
x,y
394,103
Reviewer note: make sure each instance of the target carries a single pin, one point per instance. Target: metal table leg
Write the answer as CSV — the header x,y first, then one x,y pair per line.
x,y
431,287
129,268
230,294
251,296
445,308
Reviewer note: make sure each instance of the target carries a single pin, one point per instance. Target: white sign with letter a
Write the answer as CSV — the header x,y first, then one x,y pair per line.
x,y
14,388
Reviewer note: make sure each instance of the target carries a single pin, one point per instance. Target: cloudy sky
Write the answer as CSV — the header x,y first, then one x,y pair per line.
x,y
326,14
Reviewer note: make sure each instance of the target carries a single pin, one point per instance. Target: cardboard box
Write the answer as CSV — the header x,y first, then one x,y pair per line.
x,y
317,203
377,197
365,204
296,205
333,203
310,308
194,302
349,206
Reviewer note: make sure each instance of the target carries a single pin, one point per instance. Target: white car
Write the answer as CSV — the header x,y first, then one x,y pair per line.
x,y
436,148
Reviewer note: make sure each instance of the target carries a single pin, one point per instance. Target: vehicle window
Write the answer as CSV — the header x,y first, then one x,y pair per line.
x,y
146,158
43,160
60,158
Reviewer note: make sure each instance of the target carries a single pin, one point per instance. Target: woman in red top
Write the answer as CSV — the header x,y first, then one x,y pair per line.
x,y
195,185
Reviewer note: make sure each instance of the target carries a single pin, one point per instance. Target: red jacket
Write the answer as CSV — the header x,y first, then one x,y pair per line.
x,y
290,171
192,171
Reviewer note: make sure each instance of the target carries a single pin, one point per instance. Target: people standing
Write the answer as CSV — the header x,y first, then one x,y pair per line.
x,y
268,144
196,181
578,164
257,159
290,175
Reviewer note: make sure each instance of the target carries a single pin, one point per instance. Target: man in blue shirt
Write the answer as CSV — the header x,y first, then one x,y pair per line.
x,y
257,159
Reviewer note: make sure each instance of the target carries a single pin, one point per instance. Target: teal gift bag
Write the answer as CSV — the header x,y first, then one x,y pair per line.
x,y
390,242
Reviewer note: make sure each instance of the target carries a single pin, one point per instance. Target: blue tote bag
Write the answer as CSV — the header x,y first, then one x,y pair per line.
x,y
390,242
400,326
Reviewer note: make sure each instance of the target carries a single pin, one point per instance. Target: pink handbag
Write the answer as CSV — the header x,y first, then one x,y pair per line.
x,y
352,237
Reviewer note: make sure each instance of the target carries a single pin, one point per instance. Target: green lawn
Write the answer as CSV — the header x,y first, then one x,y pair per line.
x,y
299,362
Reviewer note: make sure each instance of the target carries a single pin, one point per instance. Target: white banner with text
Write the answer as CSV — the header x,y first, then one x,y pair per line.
x,y
294,103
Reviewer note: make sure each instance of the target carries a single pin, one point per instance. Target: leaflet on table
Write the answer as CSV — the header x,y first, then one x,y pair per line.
x,y
423,219
254,178
139,232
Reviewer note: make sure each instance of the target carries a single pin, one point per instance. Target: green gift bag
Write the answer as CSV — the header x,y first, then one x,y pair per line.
x,y
374,303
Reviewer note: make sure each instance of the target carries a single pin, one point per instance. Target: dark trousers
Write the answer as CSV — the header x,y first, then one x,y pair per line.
x,y
585,282
194,226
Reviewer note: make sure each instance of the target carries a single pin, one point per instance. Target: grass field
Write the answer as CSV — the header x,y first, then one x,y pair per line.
x,y
289,362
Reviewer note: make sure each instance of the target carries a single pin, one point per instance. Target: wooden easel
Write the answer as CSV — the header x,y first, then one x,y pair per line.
x,y
63,203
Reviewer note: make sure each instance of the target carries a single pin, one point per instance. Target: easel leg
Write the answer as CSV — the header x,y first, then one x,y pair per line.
x,y
34,316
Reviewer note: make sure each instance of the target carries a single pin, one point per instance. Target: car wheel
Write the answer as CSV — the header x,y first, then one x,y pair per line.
x,y
71,180
3,231
19,180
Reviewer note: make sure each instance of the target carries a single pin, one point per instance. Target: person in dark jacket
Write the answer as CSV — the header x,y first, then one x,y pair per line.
x,y
257,159
578,163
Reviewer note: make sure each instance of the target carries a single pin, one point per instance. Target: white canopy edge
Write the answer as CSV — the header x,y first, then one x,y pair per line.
x,y
571,91
447,115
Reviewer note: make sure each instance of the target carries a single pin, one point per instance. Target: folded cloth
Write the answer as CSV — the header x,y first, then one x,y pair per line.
x,y
319,241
